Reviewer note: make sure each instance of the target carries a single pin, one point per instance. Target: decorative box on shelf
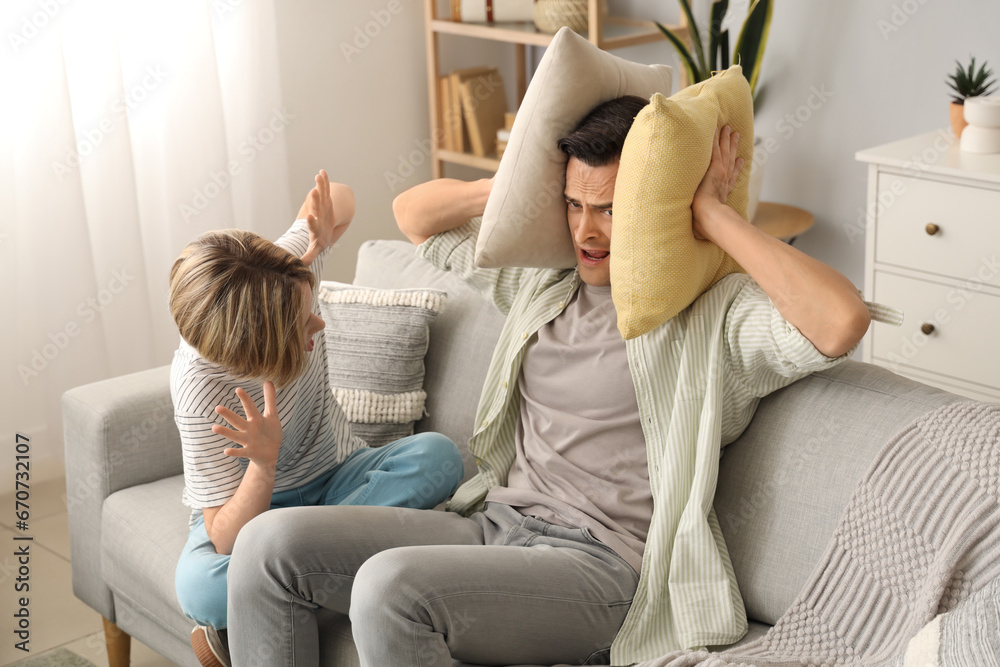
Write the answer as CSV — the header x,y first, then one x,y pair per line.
x,y
492,11
550,15
932,233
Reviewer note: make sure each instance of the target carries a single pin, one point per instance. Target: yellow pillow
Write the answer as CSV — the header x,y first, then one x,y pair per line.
x,y
657,267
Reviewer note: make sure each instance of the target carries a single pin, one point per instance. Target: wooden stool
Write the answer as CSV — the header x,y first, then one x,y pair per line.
x,y
782,221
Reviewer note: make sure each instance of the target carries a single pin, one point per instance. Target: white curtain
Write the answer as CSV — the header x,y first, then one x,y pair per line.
x,y
126,129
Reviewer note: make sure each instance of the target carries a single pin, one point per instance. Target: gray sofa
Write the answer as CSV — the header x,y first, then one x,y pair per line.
x,y
783,484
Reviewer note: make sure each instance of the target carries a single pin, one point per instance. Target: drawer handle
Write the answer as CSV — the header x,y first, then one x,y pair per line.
x,y
932,229
927,328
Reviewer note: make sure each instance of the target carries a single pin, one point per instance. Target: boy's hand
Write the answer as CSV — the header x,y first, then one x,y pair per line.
x,y
328,208
260,434
719,179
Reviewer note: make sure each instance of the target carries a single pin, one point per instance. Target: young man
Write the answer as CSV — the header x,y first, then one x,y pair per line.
x,y
575,447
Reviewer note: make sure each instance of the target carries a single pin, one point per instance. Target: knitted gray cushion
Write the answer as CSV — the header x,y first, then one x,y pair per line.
x,y
462,338
376,340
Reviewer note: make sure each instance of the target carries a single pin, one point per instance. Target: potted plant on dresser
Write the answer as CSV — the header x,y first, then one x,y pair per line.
x,y
967,82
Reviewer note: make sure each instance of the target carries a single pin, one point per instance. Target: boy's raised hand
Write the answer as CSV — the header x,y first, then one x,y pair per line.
x,y
260,434
328,209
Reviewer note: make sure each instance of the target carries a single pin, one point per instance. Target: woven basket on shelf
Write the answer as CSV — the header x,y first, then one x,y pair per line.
x,y
550,15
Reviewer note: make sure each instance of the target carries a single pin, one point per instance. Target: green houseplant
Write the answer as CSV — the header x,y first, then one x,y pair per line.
x,y
967,82
700,60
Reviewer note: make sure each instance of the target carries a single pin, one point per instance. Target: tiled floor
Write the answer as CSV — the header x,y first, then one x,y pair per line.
x,y
57,617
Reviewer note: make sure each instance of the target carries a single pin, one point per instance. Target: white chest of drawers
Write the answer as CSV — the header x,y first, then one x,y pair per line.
x,y
932,235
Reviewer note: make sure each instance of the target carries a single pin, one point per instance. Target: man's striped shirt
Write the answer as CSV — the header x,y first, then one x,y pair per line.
x,y
698,380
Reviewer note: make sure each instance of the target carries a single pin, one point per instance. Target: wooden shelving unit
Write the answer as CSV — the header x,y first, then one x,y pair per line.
x,y
608,32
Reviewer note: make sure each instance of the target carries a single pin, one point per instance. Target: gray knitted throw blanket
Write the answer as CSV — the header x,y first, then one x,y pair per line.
x,y
919,537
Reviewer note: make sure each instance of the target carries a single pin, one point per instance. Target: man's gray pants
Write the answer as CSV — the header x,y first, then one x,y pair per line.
x,y
423,586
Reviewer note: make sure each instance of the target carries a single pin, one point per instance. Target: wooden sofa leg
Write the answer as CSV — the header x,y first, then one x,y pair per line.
x,y
119,645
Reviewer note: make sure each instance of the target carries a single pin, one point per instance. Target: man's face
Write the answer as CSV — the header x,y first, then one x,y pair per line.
x,y
589,193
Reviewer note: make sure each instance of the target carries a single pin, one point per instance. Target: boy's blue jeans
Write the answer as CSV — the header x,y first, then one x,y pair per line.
x,y
417,472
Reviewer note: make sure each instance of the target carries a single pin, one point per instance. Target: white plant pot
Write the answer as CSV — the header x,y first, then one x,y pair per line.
x,y
982,111
977,139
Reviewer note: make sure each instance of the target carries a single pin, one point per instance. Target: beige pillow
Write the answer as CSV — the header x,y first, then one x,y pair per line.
x,y
525,219
658,268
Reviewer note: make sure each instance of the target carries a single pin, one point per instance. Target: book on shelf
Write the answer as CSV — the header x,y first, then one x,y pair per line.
x,y
484,105
457,122
490,11
444,114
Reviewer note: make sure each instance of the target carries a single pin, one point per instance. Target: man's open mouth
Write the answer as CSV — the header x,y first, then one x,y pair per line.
x,y
594,256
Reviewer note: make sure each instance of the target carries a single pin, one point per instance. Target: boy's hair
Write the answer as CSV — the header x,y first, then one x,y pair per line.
x,y
598,139
237,299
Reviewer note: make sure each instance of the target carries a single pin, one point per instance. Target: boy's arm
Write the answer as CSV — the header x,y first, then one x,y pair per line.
x,y
328,210
439,205
816,299
253,497
321,221
260,437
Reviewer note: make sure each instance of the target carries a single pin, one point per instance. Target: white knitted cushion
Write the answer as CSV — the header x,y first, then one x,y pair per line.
x,y
376,340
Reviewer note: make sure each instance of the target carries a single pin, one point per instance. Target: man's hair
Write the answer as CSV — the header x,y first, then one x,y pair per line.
x,y
237,299
598,139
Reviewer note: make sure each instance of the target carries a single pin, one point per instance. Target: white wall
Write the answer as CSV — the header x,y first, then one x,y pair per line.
x,y
881,65
355,76
360,103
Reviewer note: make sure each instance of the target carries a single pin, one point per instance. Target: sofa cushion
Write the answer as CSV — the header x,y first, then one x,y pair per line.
x,y
138,561
784,483
376,340
461,339
135,549
525,219
658,267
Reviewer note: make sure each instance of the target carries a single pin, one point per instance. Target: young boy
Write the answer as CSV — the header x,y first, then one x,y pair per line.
x,y
245,308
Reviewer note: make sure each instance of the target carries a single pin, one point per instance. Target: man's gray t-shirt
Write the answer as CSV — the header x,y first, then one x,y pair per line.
x,y
581,454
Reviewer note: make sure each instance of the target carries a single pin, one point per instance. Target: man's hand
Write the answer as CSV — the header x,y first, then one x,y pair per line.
x,y
260,434
820,302
328,209
718,181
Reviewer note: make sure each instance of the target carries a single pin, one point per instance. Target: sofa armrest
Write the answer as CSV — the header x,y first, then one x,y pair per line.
x,y
118,433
